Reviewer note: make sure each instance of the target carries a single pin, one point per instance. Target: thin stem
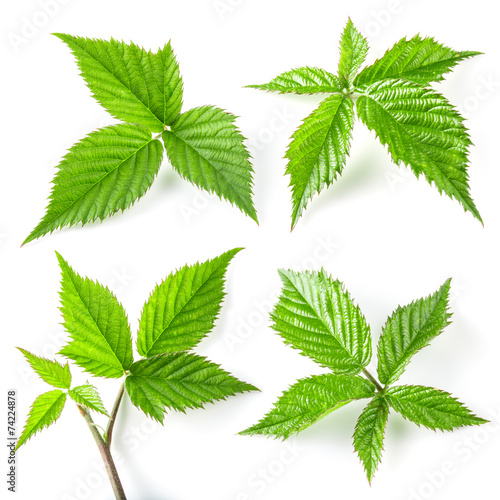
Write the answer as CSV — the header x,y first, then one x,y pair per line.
x,y
114,412
373,380
105,454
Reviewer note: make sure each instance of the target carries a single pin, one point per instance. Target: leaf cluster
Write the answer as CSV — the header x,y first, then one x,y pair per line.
x,y
393,98
316,316
112,167
178,314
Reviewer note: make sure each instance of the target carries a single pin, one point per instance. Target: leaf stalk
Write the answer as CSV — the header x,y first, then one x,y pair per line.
x,y
373,380
105,451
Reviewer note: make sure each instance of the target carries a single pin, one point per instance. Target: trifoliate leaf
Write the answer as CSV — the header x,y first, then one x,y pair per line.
x,y
369,434
309,400
353,50
316,315
205,147
52,372
421,129
430,407
45,410
87,396
306,80
133,84
105,172
409,329
179,381
318,151
183,308
420,60
101,342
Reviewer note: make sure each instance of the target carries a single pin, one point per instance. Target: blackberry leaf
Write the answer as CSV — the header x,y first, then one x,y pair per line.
x,y
105,172
369,434
353,50
182,309
45,410
205,147
308,401
419,60
101,341
52,372
87,395
318,150
316,315
422,130
409,329
134,85
431,408
306,80
179,381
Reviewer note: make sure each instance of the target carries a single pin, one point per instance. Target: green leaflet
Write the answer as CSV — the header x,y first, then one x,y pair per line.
x,y
45,410
408,330
206,148
101,341
52,372
317,316
369,434
420,127
353,50
422,130
182,309
431,408
87,396
306,80
133,84
309,400
318,150
105,172
179,381
420,60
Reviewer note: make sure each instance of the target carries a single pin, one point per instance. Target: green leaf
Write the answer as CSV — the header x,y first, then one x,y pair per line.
x,y
179,381
308,401
45,410
205,147
101,342
318,150
430,407
353,50
409,329
421,129
133,84
87,396
420,60
182,309
316,315
105,172
305,80
369,434
51,372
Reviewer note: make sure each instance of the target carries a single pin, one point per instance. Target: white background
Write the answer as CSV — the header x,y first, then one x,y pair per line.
x,y
388,236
